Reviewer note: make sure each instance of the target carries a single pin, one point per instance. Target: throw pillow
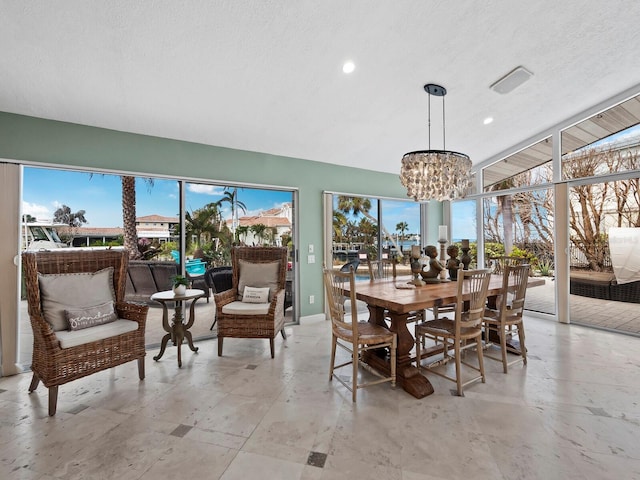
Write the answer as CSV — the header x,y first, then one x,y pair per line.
x,y
63,291
258,275
255,295
80,318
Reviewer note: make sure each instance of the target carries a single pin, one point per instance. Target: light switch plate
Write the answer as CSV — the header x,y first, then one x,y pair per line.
x,y
311,248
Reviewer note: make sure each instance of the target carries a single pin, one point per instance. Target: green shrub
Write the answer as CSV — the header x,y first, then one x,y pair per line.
x,y
530,257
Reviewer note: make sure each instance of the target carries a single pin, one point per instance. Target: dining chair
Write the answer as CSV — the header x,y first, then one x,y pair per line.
x,y
352,335
497,264
381,269
506,319
458,333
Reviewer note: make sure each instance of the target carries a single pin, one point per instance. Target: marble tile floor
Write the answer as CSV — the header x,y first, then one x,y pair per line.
x,y
573,412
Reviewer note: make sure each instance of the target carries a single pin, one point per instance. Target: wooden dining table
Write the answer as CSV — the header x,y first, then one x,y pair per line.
x,y
396,300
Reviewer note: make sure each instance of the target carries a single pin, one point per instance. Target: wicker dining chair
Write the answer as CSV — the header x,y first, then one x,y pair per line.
x,y
506,320
353,336
458,333
60,357
257,267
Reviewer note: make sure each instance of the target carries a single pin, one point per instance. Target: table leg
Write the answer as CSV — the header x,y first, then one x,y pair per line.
x,y
187,333
163,346
407,375
189,338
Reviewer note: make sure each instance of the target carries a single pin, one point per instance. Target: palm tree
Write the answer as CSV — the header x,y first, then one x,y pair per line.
x,y
202,223
231,197
360,205
258,230
129,216
242,231
339,223
402,227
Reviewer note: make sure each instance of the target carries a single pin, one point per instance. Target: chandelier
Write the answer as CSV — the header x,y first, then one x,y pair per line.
x,y
435,174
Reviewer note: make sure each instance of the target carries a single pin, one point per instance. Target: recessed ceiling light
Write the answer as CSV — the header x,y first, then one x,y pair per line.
x,y
488,120
348,67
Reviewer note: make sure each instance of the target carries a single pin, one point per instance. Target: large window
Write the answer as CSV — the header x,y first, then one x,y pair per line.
x,y
366,227
518,217
600,156
69,209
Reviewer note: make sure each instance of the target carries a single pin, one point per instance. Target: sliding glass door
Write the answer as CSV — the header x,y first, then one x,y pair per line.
x,y
181,227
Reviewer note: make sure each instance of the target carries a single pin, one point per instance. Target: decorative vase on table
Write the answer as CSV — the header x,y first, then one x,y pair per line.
x,y
179,290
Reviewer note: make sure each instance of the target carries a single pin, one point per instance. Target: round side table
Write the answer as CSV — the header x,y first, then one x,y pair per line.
x,y
177,330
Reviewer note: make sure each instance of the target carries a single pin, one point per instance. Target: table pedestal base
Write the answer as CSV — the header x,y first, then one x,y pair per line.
x,y
407,375
177,335
178,330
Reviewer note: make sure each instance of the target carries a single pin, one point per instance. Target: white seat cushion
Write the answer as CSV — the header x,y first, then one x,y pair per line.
x,y
243,308
74,338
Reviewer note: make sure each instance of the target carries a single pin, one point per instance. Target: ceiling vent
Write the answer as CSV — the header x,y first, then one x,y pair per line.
x,y
511,80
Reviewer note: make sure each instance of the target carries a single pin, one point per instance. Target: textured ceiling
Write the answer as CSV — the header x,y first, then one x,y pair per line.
x,y
267,76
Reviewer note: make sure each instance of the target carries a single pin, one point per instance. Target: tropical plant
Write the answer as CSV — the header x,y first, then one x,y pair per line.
x,y
202,224
545,268
339,223
402,227
360,206
493,249
241,232
258,230
180,280
230,196
529,257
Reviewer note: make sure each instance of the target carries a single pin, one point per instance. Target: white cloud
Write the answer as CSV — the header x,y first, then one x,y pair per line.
x,y
205,189
39,211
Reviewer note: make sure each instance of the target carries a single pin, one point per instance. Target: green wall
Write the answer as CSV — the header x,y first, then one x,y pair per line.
x,y
32,139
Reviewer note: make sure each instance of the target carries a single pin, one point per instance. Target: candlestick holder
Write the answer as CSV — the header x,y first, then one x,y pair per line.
x,y
443,272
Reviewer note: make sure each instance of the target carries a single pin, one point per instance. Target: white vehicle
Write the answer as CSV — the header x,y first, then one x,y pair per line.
x,y
41,236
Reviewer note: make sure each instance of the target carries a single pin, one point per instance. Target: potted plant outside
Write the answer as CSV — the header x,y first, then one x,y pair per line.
x,y
180,284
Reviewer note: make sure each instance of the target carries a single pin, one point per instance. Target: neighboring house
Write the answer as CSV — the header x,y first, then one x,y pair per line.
x,y
157,227
276,218
154,227
87,236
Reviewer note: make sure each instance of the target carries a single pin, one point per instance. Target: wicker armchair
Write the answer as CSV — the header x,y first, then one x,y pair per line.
x,y
235,318
54,365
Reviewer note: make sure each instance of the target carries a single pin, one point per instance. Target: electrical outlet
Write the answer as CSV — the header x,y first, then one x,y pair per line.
x,y
311,259
312,299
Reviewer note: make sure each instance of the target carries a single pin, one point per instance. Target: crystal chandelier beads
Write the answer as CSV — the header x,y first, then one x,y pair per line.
x,y
435,174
